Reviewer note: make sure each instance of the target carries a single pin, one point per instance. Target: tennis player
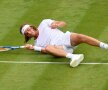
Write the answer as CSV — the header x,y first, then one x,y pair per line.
x,y
49,39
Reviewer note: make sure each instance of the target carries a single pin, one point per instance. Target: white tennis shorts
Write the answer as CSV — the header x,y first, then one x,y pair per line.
x,y
67,43
64,40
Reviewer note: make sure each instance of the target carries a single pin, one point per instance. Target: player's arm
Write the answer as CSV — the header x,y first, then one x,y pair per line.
x,y
57,24
36,48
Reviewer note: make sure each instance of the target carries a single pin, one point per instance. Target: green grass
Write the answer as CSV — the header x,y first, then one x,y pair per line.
x,y
82,16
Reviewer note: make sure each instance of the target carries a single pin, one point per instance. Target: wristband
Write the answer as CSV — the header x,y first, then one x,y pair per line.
x,y
37,48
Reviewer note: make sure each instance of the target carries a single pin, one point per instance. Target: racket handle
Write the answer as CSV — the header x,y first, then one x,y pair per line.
x,y
22,46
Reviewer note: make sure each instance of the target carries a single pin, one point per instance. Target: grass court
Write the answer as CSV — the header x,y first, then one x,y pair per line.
x,y
88,17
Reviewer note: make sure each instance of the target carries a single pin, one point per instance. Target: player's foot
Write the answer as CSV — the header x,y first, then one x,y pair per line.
x,y
75,61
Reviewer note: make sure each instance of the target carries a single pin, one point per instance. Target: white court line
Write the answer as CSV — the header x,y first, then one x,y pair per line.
x,y
28,62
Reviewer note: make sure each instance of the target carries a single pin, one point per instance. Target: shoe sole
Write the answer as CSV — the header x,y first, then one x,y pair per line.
x,y
76,62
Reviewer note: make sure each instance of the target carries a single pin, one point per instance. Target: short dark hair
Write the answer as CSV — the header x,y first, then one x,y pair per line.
x,y
26,37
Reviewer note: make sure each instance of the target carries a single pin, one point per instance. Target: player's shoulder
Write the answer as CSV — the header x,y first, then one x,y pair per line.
x,y
46,20
44,23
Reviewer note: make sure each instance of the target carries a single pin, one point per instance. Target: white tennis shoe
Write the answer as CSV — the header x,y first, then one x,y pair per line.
x,y
75,61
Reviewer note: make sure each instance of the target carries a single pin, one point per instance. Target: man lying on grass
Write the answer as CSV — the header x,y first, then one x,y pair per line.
x,y
49,39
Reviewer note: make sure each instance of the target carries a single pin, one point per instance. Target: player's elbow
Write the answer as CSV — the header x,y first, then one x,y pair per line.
x,y
61,24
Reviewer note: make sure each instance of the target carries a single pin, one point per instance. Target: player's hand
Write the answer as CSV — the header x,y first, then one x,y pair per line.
x,y
57,24
29,46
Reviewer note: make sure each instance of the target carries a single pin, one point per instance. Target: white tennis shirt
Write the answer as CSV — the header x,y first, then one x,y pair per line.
x,y
49,36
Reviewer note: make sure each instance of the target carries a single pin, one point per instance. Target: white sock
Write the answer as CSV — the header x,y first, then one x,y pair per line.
x,y
69,55
104,45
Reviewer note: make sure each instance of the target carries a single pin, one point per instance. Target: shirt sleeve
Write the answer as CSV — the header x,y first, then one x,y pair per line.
x,y
45,22
48,21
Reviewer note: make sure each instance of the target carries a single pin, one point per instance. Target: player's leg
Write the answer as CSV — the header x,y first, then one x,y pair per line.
x,y
76,39
56,50
59,51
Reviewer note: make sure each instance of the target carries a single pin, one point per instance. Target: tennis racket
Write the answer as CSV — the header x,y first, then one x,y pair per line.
x,y
7,48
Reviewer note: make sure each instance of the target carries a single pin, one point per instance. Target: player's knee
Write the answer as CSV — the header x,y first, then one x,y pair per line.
x,y
77,37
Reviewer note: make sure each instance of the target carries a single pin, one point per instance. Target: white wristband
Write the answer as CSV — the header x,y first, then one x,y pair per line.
x,y
37,48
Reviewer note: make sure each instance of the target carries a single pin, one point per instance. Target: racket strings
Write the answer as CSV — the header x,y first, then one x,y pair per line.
x,y
4,49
